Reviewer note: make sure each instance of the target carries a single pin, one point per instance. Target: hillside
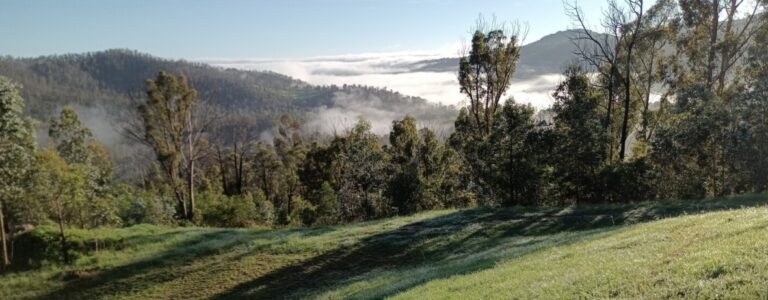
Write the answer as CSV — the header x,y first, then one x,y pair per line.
x,y
692,249
109,79
105,87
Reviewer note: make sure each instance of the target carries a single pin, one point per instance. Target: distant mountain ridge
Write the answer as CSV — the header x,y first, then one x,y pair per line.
x,y
548,55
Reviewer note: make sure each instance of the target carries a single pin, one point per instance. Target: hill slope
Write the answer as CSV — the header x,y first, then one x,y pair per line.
x,y
592,252
108,79
104,87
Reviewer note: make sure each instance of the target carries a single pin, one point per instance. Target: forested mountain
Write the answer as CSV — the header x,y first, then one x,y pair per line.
x,y
548,55
110,79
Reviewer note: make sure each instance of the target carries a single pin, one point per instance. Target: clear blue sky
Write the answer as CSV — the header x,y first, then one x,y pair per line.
x,y
195,29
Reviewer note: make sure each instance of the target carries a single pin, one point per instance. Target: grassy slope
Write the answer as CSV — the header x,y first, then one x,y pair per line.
x,y
596,251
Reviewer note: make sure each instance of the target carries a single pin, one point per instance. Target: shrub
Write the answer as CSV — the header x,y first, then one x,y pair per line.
x,y
222,211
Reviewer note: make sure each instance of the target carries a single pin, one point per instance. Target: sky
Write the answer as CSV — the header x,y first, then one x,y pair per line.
x,y
284,29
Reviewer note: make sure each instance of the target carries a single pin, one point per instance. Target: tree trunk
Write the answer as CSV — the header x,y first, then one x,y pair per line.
x,y
628,83
609,112
6,260
240,176
714,23
627,100
181,201
727,52
222,171
191,168
607,122
648,87
60,217
191,190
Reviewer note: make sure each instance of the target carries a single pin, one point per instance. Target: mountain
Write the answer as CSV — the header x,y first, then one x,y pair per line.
x,y
546,56
111,79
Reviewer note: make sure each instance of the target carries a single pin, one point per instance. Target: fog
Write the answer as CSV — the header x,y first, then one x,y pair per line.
x,y
397,71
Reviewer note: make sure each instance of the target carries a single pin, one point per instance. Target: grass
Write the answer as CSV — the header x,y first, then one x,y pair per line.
x,y
692,249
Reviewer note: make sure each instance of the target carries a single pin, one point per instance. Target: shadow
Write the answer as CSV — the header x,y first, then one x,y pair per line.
x,y
453,244
459,243
192,246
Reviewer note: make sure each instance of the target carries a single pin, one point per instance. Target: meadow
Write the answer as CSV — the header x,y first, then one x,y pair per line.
x,y
712,248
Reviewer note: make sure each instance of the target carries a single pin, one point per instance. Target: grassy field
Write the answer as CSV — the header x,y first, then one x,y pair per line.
x,y
695,249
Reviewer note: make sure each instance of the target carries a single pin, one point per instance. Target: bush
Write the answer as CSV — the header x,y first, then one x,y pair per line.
x,y
302,212
327,205
144,208
265,210
222,211
628,182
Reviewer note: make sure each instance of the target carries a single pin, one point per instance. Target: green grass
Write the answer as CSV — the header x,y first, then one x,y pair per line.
x,y
694,249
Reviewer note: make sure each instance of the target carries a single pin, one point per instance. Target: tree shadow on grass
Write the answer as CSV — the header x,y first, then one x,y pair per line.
x,y
192,245
455,244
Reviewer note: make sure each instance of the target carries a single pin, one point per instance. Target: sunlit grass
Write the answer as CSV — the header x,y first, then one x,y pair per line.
x,y
694,249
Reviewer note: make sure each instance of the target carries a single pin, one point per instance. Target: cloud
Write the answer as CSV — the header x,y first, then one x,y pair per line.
x,y
398,71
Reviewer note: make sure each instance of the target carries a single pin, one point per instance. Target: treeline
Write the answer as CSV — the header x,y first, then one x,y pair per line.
x,y
607,141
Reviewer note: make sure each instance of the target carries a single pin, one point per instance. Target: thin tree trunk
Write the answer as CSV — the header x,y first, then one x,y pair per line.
x,y
6,260
191,186
648,87
191,169
627,100
60,219
240,177
607,122
714,23
222,170
628,83
611,96
727,52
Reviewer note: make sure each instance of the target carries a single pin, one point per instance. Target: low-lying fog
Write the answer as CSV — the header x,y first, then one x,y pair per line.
x,y
402,72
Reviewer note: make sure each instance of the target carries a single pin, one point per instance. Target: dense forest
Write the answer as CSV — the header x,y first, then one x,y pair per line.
x,y
105,88
609,140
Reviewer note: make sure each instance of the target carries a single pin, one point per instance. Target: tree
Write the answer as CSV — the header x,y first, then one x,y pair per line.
x,y
405,184
327,205
581,152
232,136
485,74
473,153
517,168
439,168
17,145
658,30
291,151
63,186
712,41
748,144
267,170
357,170
689,149
172,127
623,24
74,142
71,137
599,49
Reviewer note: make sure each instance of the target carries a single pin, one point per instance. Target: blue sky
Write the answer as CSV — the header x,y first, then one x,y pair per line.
x,y
196,29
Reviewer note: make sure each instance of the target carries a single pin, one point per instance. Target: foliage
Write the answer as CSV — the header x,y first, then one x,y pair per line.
x,y
170,127
582,151
228,211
